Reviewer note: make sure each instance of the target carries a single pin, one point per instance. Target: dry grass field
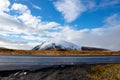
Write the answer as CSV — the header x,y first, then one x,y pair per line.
x,y
56,52
104,72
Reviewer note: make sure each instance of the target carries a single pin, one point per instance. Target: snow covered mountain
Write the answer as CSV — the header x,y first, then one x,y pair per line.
x,y
56,44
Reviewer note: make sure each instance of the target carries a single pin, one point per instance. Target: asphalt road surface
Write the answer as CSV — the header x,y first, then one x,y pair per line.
x,y
22,62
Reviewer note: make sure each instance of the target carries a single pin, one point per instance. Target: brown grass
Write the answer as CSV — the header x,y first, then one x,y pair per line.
x,y
104,72
57,52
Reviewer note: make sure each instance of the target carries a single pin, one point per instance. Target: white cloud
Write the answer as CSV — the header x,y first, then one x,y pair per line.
x,y
106,36
32,21
49,26
10,24
4,4
70,9
89,4
105,3
13,44
24,23
20,8
19,45
36,7
29,20
32,38
113,20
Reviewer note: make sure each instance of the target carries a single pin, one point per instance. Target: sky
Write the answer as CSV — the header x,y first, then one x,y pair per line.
x,y
26,23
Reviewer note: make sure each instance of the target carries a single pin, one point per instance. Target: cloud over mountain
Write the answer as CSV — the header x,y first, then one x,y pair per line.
x,y
21,29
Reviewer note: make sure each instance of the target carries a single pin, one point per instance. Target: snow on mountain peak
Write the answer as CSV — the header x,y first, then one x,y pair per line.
x,y
56,44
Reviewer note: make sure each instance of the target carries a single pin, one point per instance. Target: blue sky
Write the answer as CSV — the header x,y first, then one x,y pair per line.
x,y
88,19
26,23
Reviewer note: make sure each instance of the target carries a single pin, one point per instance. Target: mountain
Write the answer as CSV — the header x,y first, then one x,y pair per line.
x,y
57,44
64,45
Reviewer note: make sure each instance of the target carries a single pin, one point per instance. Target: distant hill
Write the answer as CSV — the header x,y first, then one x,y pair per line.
x,y
93,48
2,48
5,49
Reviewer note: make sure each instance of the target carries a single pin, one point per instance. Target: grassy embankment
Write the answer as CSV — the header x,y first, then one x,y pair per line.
x,y
57,52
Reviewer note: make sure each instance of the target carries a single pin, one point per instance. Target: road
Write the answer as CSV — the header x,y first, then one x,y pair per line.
x,y
27,62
